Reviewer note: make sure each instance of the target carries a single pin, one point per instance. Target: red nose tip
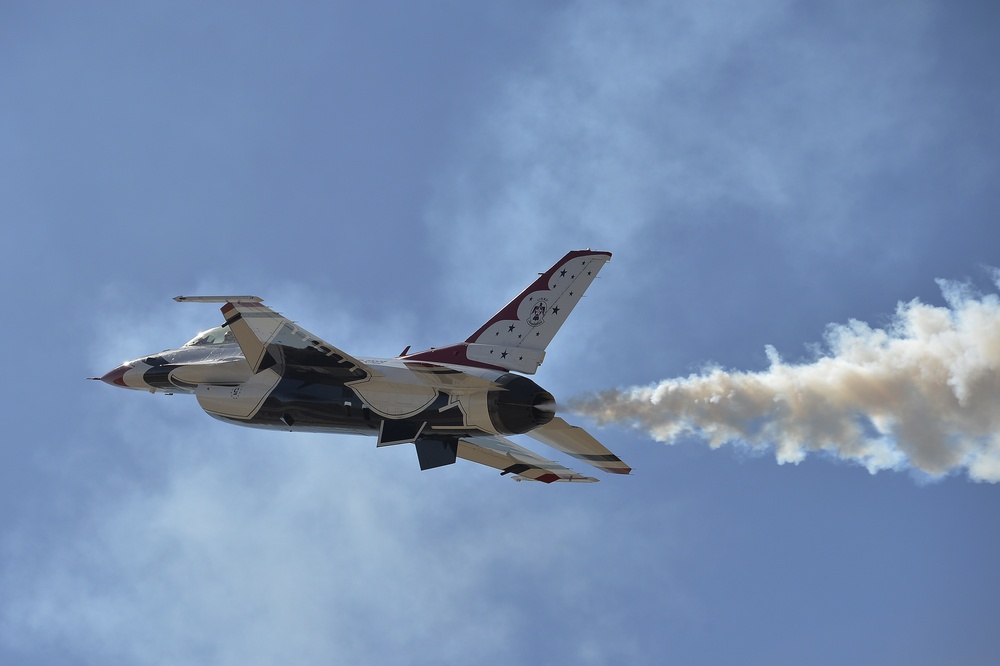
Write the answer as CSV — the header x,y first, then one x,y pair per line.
x,y
116,376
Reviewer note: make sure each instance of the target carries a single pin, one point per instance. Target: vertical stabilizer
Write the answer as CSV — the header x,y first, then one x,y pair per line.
x,y
516,337
531,320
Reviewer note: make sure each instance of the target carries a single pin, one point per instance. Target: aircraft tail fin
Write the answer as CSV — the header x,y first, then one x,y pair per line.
x,y
531,320
515,338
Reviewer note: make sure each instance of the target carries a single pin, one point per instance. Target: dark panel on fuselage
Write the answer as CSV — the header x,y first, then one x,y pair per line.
x,y
158,375
317,401
436,451
314,361
319,405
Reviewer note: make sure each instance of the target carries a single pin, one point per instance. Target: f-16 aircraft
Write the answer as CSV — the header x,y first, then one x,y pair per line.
x,y
262,370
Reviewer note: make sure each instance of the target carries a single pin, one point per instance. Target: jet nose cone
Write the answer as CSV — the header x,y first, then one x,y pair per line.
x,y
117,376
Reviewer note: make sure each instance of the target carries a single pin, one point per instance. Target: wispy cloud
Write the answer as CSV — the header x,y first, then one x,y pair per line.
x,y
644,116
250,551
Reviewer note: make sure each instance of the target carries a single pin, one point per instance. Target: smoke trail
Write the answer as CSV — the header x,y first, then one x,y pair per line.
x,y
924,392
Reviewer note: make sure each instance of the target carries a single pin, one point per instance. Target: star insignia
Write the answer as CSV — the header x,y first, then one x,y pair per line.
x,y
510,329
555,310
503,355
562,273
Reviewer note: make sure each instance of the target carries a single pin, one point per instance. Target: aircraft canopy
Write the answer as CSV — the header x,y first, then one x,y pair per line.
x,y
213,336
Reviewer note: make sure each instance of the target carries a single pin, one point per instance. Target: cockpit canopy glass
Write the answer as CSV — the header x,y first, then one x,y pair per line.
x,y
213,336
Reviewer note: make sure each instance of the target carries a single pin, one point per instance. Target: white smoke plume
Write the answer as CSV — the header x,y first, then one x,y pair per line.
x,y
924,393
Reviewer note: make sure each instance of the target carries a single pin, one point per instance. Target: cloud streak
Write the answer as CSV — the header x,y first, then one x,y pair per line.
x,y
920,393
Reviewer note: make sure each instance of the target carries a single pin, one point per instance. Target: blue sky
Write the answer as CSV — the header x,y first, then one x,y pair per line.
x,y
392,174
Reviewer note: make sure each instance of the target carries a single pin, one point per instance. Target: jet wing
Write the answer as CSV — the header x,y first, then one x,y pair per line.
x,y
505,455
580,444
446,378
266,337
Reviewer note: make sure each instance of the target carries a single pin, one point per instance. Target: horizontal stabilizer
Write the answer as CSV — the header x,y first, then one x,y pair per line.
x,y
578,443
506,456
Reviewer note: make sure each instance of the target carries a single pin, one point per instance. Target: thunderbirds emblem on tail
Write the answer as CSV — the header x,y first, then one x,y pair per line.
x,y
537,317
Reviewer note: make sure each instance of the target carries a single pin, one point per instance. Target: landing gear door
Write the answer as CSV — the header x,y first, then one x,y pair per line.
x,y
240,401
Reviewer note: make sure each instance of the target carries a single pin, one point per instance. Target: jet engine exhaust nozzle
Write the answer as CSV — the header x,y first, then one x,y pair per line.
x,y
520,406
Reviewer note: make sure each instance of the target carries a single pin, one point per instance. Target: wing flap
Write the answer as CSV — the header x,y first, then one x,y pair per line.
x,y
509,458
580,444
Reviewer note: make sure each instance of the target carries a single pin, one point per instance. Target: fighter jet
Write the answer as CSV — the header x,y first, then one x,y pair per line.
x,y
262,370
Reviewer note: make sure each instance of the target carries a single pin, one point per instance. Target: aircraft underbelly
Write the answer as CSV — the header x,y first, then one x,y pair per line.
x,y
353,427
